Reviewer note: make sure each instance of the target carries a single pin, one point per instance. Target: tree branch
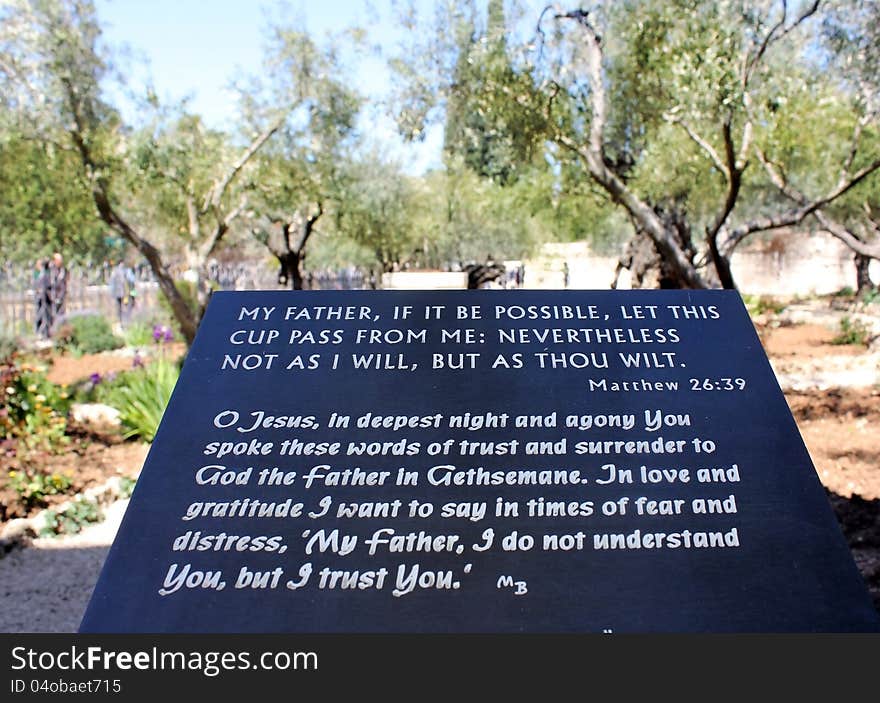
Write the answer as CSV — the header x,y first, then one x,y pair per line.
x,y
854,145
192,216
215,194
222,227
754,60
848,237
593,156
772,37
265,238
734,182
308,227
598,106
702,143
795,215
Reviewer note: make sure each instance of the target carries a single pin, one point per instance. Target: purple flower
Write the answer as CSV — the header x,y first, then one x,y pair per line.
x,y
95,378
162,333
137,362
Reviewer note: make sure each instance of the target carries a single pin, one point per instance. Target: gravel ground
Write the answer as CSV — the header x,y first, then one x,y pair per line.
x,y
68,568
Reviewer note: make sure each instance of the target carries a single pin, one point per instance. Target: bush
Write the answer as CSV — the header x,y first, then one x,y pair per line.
x,y
126,486
138,334
87,334
759,304
8,345
853,332
141,396
32,487
870,296
71,520
34,409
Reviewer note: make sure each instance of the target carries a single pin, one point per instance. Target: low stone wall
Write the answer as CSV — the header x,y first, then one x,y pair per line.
x,y
786,264
796,263
424,280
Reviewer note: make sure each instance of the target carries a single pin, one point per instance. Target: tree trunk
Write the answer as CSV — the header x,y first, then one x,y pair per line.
x,y
864,284
481,274
182,312
722,265
290,271
651,269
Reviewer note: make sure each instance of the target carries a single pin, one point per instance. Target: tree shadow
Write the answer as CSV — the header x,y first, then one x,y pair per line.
x,y
860,521
47,589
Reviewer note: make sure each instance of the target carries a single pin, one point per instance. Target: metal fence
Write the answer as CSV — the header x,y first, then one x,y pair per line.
x,y
88,292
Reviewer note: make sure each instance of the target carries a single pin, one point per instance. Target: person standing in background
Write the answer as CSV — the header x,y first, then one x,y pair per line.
x,y
131,291
42,300
118,285
57,288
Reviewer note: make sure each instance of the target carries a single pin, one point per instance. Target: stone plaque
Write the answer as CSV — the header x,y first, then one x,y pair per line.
x,y
478,461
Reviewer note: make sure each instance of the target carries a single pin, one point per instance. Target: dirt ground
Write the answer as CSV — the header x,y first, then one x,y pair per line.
x,y
90,461
833,391
92,456
839,425
68,368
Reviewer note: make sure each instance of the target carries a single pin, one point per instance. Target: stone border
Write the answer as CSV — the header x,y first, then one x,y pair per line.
x,y
19,533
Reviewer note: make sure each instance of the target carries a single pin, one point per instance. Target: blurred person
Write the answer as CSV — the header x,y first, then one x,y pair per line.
x,y
131,286
42,299
119,288
57,288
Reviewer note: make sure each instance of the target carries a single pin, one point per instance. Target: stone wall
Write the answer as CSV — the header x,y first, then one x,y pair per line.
x,y
785,264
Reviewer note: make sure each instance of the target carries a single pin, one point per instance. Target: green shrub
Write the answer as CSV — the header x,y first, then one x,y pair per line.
x,y
141,396
759,304
138,334
34,409
87,334
126,486
32,487
72,519
9,344
872,295
853,332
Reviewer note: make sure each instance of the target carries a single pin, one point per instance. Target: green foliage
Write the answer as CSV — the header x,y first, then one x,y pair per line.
x,y
190,293
32,487
170,162
375,210
126,486
46,206
141,396
490,135
138,334
466,218
87,334
870,296
34,409
853,332
70,521
760,304
97,388
9,344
